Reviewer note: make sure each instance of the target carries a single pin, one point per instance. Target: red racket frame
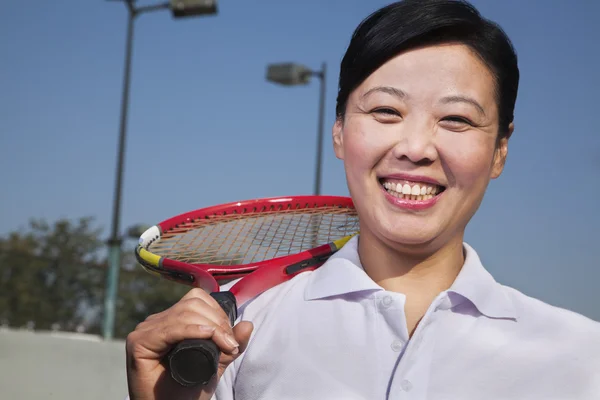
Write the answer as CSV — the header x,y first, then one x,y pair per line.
x,y
267,273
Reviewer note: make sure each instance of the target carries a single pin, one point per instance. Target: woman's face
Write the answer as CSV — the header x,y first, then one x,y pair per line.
x,y
419,146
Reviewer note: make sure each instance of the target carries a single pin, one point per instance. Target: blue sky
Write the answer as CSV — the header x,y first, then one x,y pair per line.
x,y
205,127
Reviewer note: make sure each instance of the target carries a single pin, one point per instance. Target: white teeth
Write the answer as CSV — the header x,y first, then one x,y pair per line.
x,y
415,192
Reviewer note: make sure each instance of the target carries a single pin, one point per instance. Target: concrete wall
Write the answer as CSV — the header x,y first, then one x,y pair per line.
x,y
45,365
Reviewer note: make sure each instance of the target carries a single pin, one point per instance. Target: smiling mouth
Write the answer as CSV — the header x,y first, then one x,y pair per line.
x,y
407,190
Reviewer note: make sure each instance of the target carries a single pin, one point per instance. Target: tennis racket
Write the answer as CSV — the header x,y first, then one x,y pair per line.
x,y
264,241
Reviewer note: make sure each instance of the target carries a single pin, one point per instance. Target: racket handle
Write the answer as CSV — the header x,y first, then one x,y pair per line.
x,y
194,362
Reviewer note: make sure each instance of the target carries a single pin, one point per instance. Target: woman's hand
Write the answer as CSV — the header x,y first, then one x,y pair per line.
x,y
196,316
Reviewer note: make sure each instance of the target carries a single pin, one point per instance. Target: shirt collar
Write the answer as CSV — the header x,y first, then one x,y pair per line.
x,y
343,274
475,284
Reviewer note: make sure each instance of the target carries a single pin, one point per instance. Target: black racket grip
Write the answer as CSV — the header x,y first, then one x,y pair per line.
x,y
194,362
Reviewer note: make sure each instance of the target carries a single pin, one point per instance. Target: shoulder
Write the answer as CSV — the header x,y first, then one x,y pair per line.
x,y
308,285
264,304
573,337
532,314
534,311
259,310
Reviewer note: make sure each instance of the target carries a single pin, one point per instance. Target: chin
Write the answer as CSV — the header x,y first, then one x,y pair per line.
x,y
398,225
405,239
404,235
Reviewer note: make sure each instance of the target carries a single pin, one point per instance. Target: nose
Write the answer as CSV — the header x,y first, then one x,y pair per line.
x,y
415,142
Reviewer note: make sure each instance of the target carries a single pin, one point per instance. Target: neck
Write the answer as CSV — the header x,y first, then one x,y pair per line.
x,y
420,274
401,269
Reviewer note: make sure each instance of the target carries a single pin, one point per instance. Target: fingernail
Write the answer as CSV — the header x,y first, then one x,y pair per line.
x,y
206,328
231,341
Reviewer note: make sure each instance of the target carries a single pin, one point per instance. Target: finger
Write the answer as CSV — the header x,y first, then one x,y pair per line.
x,y
222,335
158,314
193,311
154,343
201,294
190,317
201,307
222,332
195,293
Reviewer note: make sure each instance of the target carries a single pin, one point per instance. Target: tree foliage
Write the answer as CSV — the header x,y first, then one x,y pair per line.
x,y
53,277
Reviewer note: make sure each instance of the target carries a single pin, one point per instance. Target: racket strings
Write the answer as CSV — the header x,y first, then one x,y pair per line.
x,y
254,236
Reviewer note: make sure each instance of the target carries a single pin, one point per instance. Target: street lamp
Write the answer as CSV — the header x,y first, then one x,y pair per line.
x,y
191,8
292,74
179,9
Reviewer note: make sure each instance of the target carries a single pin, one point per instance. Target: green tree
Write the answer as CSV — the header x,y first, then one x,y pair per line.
x,y
142,294
54,276
50,274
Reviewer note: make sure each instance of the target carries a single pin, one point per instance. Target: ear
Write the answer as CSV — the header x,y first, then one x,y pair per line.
x,y
338,138
501,153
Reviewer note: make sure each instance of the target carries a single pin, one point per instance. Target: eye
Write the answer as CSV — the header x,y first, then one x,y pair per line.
x,y
458,119
386,115
386,111
457,122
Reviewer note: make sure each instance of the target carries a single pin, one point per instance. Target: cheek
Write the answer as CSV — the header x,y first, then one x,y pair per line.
x,y
364,145
468,159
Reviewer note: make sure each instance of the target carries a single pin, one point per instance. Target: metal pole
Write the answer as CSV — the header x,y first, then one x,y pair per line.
x,y
320,125
115,240
322,75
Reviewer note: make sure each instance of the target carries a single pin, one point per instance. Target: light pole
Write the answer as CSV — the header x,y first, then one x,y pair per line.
x,y
179,9
291,74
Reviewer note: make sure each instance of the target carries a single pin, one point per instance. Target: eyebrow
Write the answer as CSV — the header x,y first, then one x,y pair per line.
x,y
463,99
387,89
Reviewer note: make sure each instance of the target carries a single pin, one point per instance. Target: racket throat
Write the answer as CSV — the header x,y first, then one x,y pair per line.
x,y
306,264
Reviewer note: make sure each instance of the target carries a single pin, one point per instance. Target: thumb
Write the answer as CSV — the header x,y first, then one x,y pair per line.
x,y
242,332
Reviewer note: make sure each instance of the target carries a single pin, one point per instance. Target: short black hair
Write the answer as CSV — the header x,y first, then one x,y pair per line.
x,y
408,24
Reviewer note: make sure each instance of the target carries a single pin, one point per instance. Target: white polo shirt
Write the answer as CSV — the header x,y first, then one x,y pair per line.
x,y
335,334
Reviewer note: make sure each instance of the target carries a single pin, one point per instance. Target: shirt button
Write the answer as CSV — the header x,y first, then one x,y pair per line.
x,y
387,301
406,385
396,345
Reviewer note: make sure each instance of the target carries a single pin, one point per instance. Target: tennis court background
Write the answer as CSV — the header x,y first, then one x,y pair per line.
x,y
65,366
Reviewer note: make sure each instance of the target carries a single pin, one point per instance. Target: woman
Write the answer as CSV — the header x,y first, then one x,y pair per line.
x,y
425,107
